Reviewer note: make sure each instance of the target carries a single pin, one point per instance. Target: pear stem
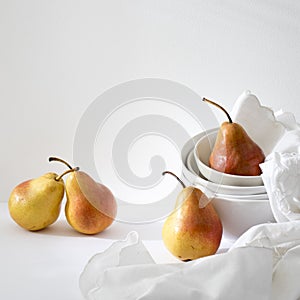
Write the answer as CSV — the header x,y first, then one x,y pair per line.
x,y
52,158
66,172
168,172
219,106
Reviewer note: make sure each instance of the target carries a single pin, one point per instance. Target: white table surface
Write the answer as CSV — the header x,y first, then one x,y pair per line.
x,y
47,264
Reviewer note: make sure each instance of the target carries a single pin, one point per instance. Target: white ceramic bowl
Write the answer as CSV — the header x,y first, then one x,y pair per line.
x,y
202,151
238,216
243,197
192,174
257,192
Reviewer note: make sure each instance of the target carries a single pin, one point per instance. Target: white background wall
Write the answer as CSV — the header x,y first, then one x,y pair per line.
x,y
57,56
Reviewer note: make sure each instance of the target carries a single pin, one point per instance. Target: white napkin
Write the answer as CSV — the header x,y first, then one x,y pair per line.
x,y
130,251
278,134
259,121
284,241
224,276
281,176
264,263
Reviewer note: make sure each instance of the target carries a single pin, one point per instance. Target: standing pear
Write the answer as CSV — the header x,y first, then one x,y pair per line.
x,y
193,229
35,204
91,206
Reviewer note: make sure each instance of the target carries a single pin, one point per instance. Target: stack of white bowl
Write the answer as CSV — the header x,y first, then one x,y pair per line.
x,y
241,201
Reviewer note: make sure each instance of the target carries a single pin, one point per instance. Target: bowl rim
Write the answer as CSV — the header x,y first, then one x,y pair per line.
x,y
253,189
256,201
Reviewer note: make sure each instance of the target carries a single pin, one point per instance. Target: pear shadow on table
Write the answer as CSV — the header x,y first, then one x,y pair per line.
x,y
59,228
117,231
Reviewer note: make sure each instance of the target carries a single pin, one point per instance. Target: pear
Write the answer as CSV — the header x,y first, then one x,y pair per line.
x,y
91,206
35,203
193,229
234,152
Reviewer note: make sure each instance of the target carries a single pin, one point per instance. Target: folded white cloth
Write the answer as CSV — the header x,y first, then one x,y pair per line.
x,y
281,176
259,121
279,136
229,276
264,263
284,240
130,251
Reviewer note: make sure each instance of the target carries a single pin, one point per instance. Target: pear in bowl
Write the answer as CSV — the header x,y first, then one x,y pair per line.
x,y
202,152
233,153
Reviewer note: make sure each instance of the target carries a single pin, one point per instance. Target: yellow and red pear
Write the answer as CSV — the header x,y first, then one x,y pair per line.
x,y
234,152
193,229
35,204
91,206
